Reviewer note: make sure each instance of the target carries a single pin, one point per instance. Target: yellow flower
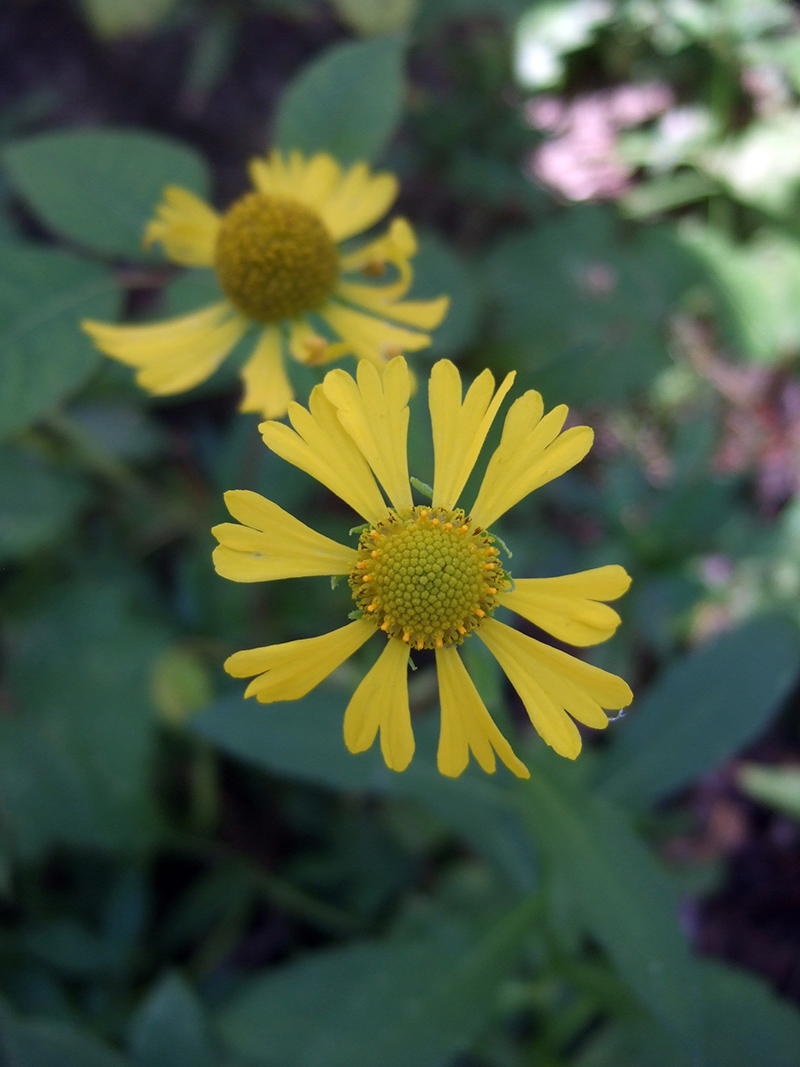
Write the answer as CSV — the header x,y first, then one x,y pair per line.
x,y
427,576
280,261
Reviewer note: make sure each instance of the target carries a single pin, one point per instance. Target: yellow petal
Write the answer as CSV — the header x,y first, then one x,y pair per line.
x,y
368,337
273,544
290,670
186,226
532,451
381,703
357,201
422,314
567,607
348,201
374,412
267,388
466,723
511,650
174,355
305,343
319,445
551,683
459,429
394,248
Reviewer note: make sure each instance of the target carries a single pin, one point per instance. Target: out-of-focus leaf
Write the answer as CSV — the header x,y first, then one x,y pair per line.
x,y
44,356
777,787
548,32
75,751
397,1002
100,187
702,710
48,1044
761,167
582,308
438,271
169,1030
374,17
303,740
755,288
745,1024
615,892
37,503
348,102
116,18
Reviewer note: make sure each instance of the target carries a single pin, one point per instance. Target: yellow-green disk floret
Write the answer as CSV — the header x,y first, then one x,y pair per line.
x,y
427,576
274,258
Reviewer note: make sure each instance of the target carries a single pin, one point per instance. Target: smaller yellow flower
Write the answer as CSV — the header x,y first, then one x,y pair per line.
x,y
283,261
427,576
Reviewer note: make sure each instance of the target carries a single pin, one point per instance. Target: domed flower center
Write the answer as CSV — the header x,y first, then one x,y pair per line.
x,y
427,576
274,258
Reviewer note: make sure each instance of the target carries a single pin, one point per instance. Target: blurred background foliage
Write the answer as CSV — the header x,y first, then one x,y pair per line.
x,y
610,192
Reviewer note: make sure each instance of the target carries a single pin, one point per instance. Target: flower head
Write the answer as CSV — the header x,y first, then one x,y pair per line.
x,y
427,576
283,269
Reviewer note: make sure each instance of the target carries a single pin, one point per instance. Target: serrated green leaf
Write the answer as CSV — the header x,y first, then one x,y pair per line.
x,y
394,1003
703,710
100,187
348,102
44,356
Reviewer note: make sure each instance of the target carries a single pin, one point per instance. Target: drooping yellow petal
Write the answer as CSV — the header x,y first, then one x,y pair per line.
x,y
368,337
395,248
551,683
567,607
174,355
421,314
273,544
532,451
290,670
319,445
466,723
459,429
305,343
267,388
381,703
186,226
374,412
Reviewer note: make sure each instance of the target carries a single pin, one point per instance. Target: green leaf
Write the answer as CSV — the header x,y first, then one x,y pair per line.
x,y
44,356
396,1002
745,1024
168,1030
582,308
116,18
75,754
303,740
776,787
100,187
703,710
375,17
438,271
348,102
38,503
49,1044
615,892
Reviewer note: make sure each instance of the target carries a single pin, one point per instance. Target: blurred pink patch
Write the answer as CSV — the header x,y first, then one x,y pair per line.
x,y
582,161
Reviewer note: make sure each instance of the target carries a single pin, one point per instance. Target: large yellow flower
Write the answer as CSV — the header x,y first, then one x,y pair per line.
x,y
280,262
427,576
